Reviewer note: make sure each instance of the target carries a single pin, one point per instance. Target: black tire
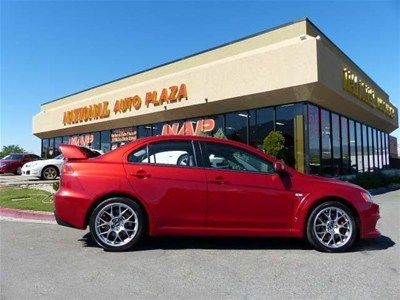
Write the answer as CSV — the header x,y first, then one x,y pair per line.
x,y
141,220
315,241
18,171
47,169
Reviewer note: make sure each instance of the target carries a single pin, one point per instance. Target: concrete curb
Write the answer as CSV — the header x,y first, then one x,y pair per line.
x,y
27,214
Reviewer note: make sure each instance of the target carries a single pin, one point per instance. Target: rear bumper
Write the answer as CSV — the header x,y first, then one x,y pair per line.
x,y
70,209
369,218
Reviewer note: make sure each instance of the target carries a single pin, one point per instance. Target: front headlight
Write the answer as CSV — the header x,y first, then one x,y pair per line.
x,y
367,196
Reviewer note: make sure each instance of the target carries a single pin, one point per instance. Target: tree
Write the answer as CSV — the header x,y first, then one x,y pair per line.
x,y
10,149
220,134
274,144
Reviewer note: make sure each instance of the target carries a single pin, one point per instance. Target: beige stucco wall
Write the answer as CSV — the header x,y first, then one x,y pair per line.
x,y
275,67
288,64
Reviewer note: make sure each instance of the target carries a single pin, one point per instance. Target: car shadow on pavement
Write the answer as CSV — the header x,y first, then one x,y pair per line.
x,y
239,243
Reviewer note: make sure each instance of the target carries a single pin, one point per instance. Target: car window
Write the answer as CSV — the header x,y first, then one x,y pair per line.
x,y
178,153
13,157
221,156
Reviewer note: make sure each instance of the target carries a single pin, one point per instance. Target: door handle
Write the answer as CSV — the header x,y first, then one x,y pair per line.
x,y
218,180
141,174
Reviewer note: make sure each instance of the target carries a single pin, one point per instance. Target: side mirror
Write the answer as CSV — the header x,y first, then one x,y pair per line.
x,y
279,167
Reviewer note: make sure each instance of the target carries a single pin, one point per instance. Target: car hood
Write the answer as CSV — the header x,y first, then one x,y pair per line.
x,y
332,181
56,162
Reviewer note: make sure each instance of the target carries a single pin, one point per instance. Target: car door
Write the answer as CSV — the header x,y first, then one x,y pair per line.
x,y
243,190
165,175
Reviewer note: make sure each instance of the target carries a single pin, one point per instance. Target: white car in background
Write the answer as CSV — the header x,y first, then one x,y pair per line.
x,y
48,169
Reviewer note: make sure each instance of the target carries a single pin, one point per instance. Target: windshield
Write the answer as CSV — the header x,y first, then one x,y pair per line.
x,y
13,157
59,157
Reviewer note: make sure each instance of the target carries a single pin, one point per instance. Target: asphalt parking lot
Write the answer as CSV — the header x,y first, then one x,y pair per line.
x,y
49,261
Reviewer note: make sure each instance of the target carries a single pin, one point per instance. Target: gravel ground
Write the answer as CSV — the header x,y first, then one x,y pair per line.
x,y
50,261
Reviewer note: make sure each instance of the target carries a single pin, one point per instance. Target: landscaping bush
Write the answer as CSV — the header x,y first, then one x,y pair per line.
x,y
56,185
375,180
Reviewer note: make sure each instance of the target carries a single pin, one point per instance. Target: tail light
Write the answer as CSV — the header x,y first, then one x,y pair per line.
x,y
67,169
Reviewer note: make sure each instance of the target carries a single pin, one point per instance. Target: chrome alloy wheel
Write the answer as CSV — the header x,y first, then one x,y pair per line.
x,y
332,227
50,173
116,224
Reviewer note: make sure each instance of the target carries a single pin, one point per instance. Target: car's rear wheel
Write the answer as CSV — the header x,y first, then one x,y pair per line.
x,y
332,227
49,173
117,224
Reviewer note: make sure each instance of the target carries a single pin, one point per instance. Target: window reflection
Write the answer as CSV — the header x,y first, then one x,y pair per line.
x,y
359,148
313,140
57,143
105,141
353,147
365,147
286,118
336,144
236,126
371,149
345,146
261,124
326,142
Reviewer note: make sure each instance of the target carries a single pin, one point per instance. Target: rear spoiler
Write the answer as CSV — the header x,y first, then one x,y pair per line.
x,y
72,152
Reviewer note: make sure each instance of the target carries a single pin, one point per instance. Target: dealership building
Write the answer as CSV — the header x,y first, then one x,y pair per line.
x,y
293,79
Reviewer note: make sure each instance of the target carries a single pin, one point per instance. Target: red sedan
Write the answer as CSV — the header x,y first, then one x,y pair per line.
x,y
183,185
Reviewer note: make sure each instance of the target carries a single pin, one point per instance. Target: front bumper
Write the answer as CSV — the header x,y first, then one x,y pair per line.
x,y
369,218
30,172
7,169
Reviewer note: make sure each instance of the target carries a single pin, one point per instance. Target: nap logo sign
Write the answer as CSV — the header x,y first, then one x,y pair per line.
x,y
101,110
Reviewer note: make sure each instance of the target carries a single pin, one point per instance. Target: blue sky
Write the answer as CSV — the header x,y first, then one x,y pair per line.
x,y
51,49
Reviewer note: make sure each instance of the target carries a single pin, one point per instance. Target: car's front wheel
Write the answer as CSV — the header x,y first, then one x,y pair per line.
x,y
117,224
49,173
332,227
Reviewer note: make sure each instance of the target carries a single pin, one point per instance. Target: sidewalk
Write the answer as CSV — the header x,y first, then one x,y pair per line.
x,y
18,214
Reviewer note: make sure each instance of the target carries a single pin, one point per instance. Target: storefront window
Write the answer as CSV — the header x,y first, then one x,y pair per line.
x,y
387,150
144,131
219,128
236,126
45,147
96,141
359,148
157,128
336,144
261,124
51,152
376,149
57,143
345,146
380,149
105,145
121,136
289,121
65,139
353,147
326,142
365,147
371,149
313,140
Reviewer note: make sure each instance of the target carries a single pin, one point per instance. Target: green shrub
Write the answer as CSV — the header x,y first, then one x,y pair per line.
x,y
220,134
274,144
56,185
374,180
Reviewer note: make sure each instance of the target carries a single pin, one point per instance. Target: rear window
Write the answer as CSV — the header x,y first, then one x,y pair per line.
x,y
89,153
